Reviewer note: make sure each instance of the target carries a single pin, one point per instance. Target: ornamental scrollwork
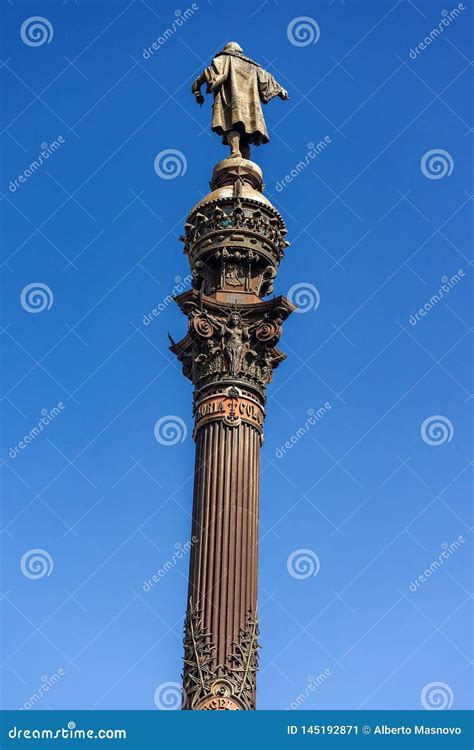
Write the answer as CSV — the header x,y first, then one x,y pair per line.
x,y
230,344
249,218
205,680
198,658
244,661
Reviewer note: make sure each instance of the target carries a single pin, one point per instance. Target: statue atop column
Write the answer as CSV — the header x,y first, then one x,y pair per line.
x,y
239,86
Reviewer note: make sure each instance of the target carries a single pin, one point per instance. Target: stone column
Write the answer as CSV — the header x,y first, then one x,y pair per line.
x,y
235,240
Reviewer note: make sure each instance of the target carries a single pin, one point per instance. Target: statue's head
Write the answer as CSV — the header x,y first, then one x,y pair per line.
x,y
234,319
233,47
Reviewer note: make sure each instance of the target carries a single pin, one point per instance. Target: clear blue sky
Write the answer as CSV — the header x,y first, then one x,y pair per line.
x,y
370,230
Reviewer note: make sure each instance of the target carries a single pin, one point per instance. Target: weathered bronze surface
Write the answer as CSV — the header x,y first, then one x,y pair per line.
x,y
239,86
235,240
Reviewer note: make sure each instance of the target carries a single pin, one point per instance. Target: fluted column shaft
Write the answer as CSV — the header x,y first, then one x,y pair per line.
x,y
223,566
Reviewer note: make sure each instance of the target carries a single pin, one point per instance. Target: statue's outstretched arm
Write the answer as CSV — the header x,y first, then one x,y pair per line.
x,y
196,88
269,87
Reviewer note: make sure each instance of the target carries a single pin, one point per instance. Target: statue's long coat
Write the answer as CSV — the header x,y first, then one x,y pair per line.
x,y
239,86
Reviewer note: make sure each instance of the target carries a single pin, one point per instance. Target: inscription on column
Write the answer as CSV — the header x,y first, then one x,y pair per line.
x,y
231,407
218,704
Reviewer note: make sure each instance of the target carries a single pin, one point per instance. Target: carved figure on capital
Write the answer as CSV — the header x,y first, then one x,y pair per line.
x,y
235,338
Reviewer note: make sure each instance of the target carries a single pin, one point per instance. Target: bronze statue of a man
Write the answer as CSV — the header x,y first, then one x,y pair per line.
x,y
239,86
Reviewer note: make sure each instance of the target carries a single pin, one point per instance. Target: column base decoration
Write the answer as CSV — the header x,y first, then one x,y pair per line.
x,y
225,687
